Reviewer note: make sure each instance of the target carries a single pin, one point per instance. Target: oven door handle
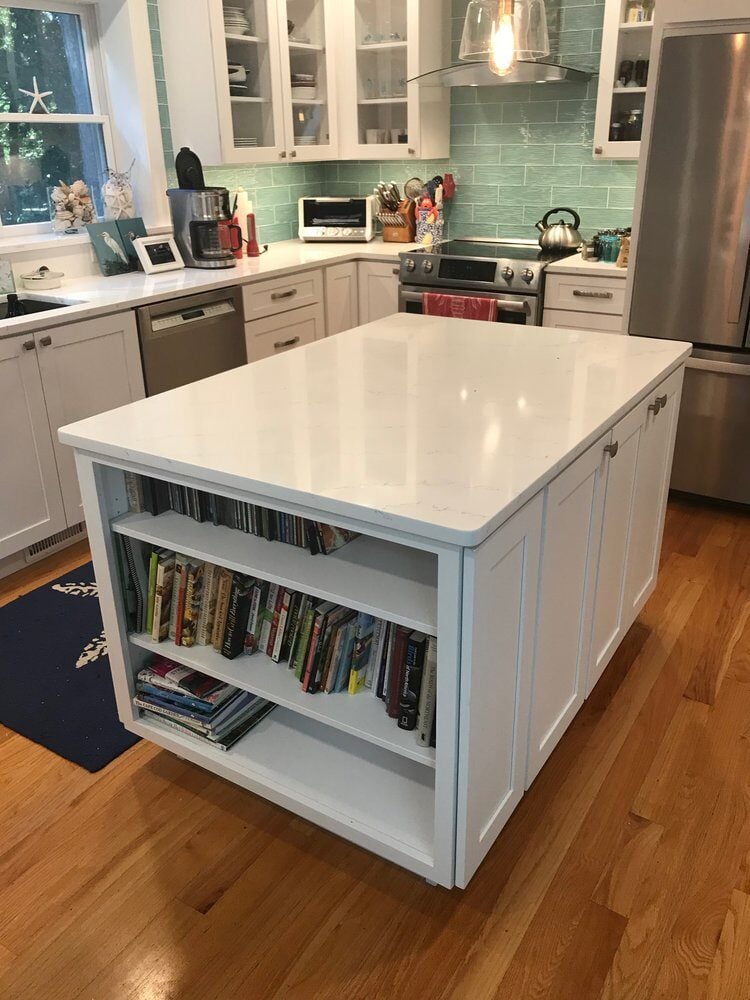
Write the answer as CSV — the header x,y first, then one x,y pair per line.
x,y
508,305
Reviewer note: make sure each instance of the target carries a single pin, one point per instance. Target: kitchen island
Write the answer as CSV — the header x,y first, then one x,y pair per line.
x,y
509,485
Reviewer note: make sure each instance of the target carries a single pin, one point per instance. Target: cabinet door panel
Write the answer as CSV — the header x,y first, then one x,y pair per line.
x,y
87,368
567,319
277,334
499,614
378,290
342,307
650,496
572,528
31,506
610,624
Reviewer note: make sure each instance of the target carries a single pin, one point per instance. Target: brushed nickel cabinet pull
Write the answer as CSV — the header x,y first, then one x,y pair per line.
x,y
280,344
283,295
397,270
655,406
28,345
591,295
45,341
662,400
612,449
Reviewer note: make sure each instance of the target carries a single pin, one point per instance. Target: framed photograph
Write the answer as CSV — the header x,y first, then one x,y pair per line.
x,y
158,253
109,248
129,230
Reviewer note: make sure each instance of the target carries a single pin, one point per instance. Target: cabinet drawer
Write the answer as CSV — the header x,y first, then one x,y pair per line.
x,y
596,295
278,295
566,319
277,334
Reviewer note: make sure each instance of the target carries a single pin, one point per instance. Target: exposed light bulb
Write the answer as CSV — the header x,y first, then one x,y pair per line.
x,y
503,43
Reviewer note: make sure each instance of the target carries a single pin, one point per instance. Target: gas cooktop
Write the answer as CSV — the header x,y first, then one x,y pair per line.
x,y
492,264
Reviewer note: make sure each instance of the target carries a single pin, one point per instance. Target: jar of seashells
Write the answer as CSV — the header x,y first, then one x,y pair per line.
x,y
71,207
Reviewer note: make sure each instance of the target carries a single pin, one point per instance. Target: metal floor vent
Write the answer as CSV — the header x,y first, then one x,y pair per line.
x,y
57,541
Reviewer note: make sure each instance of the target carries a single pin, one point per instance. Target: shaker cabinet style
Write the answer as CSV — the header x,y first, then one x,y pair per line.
x,y
623,78
47,380
342,306
378,290
31,506
271,81
385,43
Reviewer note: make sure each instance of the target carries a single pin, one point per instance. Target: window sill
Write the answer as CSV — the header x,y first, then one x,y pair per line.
x,y
40,241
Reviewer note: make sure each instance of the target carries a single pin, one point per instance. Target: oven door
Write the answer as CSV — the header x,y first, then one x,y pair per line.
x,y
523,310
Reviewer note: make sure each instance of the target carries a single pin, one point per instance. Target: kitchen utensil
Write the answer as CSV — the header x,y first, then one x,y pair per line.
x,y
413,188
559,235
189,170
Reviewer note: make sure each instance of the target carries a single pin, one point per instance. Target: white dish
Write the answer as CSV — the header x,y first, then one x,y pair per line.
x,y
42,278
304,93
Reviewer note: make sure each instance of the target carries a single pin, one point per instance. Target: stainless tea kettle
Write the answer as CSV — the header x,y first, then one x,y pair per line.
x,y
559,235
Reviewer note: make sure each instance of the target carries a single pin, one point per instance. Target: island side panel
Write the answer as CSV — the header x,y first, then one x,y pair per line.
x,y
499,619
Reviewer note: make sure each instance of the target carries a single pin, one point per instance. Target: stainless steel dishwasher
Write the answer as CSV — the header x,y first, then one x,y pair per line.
x,y
183,340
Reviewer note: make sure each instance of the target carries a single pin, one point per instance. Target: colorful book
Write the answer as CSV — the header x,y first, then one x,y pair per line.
x,y
178,592
397,670
320,617
266,617
207,612
362,650
278,641
240,598
222,607
193,600
428,695
153,564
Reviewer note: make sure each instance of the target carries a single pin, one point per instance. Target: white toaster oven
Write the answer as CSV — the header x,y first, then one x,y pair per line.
x,y
346,220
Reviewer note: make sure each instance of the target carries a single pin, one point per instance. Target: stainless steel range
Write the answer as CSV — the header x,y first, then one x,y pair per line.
x,y
511,271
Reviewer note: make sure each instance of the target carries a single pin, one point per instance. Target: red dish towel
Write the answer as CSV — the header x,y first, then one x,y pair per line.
x,y
459,306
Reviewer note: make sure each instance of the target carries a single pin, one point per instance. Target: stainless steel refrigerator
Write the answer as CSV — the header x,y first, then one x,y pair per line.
x,y
691,279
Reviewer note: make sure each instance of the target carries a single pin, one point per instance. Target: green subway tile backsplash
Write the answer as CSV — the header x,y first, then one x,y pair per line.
x,y
516,150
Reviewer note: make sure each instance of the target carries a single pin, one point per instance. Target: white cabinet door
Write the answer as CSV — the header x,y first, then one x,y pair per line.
x,y
31,506
87,368
620,42
342,306
659,427
499,617
384,43
565,319
572,529
277,334
610,621
378,290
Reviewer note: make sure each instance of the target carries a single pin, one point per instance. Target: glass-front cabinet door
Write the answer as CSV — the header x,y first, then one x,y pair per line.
x,y
386,44
307,34
253,125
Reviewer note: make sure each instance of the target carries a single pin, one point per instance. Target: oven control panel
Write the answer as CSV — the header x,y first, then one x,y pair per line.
x,y
438,270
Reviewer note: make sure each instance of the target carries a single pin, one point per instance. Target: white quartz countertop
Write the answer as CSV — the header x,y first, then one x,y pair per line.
x,y
588,268
439,427
96,295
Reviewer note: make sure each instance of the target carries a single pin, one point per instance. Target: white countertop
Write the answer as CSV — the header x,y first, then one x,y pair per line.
x,y
441,427
96,295
589,268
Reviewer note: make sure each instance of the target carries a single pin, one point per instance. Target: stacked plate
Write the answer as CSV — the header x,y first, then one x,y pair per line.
x,y
306,140
235,21
300,93
245,142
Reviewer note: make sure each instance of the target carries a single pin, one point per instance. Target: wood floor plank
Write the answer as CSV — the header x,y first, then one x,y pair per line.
x,y
154,879
730,973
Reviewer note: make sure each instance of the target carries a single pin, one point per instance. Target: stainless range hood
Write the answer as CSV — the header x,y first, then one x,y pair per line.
x,y
479,74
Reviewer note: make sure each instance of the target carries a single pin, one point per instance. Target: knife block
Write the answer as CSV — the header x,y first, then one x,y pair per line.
x,y
399,226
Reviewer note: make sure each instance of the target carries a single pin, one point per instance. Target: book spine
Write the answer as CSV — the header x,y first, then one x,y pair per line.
x,y
161,710
134,492
275,619
193,599
222,605
407,712
153,566
267,617
252,618
281,626
208,604
428,703
310,660
398,666
177,587
233,620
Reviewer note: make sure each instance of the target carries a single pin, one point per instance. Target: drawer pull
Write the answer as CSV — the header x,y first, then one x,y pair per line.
x,y
612,449
397,270
662,400
591,295
281,344
655,407
45,341
28,345
283,295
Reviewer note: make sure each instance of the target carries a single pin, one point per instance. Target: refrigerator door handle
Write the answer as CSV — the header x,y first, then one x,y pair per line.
x,y
721,367
737,297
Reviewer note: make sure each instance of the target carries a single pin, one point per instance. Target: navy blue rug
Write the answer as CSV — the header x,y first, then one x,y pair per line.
x,y
55,684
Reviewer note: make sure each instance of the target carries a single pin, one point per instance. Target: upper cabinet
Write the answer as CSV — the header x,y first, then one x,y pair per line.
x,y
623,77
384,44
269,81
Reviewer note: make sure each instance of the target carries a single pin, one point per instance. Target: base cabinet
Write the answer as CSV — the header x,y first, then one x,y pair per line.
x,y
342,305
31,505
572,524
378,290
87,368
283,332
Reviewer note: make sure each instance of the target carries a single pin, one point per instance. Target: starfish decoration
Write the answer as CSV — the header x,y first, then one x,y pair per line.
x,y
38,96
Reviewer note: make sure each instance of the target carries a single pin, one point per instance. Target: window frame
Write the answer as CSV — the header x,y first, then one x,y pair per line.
x,y
86,11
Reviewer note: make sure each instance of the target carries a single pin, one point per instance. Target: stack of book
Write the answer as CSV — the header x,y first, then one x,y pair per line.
x,y
156,497
330,648
200,706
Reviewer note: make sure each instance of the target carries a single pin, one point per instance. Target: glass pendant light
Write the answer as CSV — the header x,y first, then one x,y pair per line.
x,y
503,31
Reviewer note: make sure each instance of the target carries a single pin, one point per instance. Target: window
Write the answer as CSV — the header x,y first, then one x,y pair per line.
x,y
51,125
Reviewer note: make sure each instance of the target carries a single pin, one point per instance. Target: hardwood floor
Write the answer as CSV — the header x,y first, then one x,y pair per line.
x,y
623,875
